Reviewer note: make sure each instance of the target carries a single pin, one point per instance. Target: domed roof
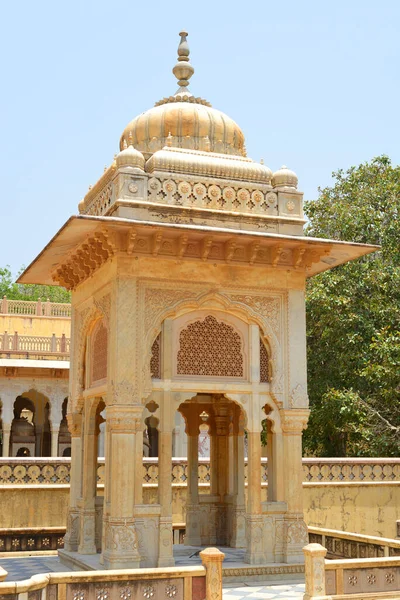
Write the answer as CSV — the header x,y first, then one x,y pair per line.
x,y
184,121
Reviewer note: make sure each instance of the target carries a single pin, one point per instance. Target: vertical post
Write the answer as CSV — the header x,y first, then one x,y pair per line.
x,y
121,544
39,307
71,539
296,535
315,571
53,343
4,305
139,468
15,342
63,343
254,520
192,537
166,557
88,511
47,308
6,439
211,559
55,430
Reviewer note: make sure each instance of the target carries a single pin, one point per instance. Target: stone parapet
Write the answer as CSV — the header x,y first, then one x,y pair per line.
x,y
28,471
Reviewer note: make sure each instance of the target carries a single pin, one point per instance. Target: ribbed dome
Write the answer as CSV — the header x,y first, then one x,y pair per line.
x,y
191,125
184,121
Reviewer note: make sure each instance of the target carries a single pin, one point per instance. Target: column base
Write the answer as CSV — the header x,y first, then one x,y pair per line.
x,y
193,518
121,551
71,539
254,554
87,532
165,546
296,537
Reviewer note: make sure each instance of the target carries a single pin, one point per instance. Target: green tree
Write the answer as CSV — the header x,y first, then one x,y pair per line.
x,y
353,318
17,291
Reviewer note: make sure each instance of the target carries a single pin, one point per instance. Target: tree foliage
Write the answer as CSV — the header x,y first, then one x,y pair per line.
x,y
353,318
18,291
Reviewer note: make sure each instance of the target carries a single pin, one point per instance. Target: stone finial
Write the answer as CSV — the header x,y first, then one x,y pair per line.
x,y
169,140
315,571
212,559
183,70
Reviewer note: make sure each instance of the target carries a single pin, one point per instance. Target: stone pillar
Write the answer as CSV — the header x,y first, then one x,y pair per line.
x,y
315,571
87,543
166,556
238,525
211,559
192,537
6,439
139,467
296,534
55,431
71,539
121,544
101,440
254,520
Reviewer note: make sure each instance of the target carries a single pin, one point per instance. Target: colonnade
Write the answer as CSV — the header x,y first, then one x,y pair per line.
x,y
48,404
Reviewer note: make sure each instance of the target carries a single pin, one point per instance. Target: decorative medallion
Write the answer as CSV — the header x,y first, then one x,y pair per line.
x,y
133,188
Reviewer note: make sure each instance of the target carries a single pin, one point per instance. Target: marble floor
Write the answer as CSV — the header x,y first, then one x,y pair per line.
x,y
20,568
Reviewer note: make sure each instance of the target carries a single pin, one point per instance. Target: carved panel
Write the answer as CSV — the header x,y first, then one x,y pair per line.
x,y
99,352
210,347
155,361
264,363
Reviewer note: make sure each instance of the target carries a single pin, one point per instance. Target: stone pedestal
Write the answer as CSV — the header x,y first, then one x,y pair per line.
x,y
315,571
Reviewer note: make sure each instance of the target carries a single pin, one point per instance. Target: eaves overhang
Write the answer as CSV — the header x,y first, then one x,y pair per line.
x,y
97,238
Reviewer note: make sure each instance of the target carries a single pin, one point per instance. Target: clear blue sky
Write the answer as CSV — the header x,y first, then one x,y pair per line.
x,y
313,84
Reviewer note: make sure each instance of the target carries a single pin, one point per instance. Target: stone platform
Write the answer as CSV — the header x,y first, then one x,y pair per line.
x,y
234,570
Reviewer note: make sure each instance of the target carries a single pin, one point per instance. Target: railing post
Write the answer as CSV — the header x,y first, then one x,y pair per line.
x,y
5,341
63,343
15,342
315,570
212,562
47,308
39,307
4,305
53,343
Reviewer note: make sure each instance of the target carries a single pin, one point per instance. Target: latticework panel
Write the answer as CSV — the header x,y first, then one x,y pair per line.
x,y
264,363
99,352
155,360
210,347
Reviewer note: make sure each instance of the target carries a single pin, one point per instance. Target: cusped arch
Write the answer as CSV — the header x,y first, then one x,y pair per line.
x,y
213,301
86,321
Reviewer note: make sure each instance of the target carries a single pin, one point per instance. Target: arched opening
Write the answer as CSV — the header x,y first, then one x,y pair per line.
x,y
64,436
30,427
217,517
24,452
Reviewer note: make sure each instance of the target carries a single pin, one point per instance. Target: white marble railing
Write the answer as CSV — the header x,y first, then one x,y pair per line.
x,y
20,471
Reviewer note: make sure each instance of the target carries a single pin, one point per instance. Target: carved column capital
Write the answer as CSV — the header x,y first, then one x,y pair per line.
x,y
294,421
124,419
75,424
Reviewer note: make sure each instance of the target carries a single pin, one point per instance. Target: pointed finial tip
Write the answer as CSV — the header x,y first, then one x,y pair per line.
x,y
183,70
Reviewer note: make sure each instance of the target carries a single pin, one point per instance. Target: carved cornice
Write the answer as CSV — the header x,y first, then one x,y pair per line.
x,y
86,259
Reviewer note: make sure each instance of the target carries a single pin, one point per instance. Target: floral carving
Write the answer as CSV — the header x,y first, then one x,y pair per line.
x,y
148,591
298,397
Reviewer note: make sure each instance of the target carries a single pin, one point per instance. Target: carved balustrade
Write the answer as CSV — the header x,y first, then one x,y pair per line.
x,y
34,346
21,471
35,308
181,583
356,579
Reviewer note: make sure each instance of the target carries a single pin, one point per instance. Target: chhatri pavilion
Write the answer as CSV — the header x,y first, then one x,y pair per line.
x,y
187,265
